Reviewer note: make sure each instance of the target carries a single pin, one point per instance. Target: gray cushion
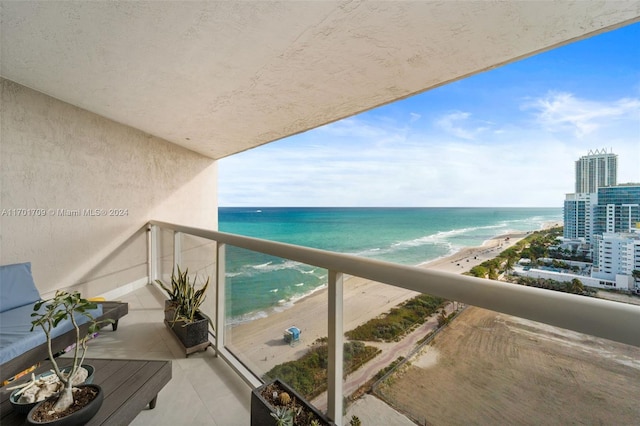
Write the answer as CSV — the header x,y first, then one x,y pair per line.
x,y
16,286
16,336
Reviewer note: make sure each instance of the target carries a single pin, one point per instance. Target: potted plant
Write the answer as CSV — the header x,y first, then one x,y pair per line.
x,y
276,403
71,405
182,311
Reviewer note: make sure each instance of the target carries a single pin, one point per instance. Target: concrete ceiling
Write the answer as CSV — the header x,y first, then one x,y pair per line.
x,y
222,77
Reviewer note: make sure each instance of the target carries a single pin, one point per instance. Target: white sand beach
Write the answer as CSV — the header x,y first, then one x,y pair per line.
x,y
260,343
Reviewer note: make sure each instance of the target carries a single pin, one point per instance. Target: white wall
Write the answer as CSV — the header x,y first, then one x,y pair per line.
x,y
565,277
56,156
624,282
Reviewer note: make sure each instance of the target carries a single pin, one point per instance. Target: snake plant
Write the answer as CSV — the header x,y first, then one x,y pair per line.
x,y
186,299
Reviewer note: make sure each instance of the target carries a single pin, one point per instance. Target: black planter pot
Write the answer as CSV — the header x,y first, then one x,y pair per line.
x,y
80,417
191,334
194,336
261,409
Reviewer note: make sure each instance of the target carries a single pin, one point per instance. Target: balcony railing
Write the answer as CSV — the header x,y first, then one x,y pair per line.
x,y
597,317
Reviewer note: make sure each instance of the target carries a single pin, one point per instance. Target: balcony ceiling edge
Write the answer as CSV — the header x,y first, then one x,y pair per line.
x,y
219,78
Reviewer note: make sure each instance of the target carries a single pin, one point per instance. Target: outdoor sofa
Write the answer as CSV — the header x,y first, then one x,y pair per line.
x,y
21,348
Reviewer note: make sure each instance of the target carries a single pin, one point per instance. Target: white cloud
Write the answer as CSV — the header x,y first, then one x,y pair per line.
x,y
421,171
374,161
450,123
384,131
461,125
563,111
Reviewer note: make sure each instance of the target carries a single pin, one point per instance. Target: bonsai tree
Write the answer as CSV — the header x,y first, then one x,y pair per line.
x,y
61,307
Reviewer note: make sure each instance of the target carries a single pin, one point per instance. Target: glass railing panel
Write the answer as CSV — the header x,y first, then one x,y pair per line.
x,y
165,254
485,367
265,297
198,255
382,324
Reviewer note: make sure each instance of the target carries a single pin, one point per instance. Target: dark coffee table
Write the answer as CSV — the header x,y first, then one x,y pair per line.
x,y
129,386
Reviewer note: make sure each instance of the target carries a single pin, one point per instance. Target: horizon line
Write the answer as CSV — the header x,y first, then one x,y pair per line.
x,y
392,207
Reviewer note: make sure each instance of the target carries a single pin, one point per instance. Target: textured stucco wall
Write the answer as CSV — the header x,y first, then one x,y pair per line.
x,y
56,156
196,72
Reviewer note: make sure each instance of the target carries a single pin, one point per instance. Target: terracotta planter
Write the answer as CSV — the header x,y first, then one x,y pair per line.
x,y
261,409
80,417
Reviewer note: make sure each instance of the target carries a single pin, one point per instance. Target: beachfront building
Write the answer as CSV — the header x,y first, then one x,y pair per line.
x,y
617,209
611,209
618,257
608,223
566,277
124,108
596,169
578,217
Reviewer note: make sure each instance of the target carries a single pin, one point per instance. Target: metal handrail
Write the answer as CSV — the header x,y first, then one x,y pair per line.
x,y
597,317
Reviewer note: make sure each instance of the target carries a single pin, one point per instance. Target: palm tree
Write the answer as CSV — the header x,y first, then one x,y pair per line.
x,y
508,266
442,318
576,286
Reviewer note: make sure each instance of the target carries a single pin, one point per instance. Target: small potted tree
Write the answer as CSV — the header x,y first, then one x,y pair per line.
x,y
182,311
72,405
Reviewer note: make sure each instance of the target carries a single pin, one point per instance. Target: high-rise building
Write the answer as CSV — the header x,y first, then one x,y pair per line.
x,y
578,216
617,209
595,170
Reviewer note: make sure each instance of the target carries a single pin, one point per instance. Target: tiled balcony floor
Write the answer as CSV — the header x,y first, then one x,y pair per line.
x,y
204,390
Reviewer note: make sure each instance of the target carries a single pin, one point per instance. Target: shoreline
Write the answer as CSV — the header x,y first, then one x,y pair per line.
x,y
260,344
288,304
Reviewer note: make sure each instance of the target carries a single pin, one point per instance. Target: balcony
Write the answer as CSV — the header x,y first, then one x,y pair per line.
x,y
213,387
149,97
203,389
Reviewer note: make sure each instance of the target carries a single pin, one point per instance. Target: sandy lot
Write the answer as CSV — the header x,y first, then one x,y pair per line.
x,y
490,368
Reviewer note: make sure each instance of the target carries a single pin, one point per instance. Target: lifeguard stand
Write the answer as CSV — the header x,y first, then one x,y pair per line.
x,y
292,335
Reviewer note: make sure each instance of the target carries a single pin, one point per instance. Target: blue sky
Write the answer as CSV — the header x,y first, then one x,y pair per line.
x,y
506,137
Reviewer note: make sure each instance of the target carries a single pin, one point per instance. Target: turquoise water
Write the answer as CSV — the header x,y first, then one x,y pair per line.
x,y
258,284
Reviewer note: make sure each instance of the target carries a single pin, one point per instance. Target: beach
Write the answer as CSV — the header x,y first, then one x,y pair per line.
x,y
260,344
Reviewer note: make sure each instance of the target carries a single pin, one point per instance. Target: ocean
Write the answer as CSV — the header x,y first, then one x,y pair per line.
x,y
258,284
